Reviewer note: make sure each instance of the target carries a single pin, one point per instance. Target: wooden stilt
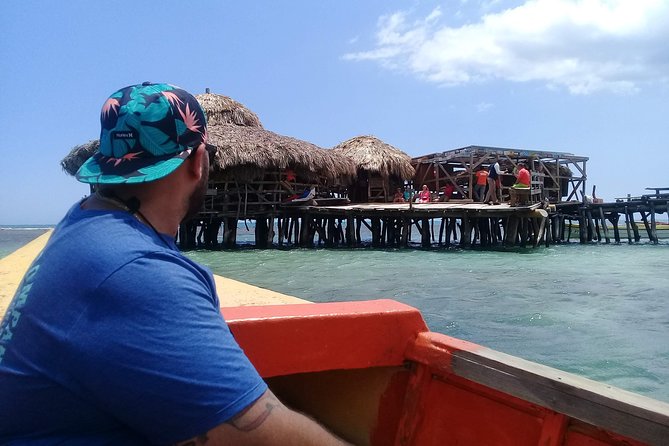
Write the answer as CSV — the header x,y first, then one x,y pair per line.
x,y
627,225
466,231
615,218
261,231
425,233
653,226
635,227
350,232
604,226
538,236
646,225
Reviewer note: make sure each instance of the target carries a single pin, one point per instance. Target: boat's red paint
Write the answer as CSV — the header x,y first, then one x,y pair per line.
x,y
325,358
287,339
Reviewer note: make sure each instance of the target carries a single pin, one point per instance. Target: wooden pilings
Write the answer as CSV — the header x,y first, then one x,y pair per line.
x,y
461,226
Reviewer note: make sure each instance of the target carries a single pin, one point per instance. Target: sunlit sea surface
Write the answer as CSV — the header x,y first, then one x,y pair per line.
x,y
601,311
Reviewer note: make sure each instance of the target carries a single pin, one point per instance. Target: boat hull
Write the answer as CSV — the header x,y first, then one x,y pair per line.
x,y
375,374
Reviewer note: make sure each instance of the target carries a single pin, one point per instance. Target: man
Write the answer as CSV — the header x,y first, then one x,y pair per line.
x,y
519,193
494,173
114,337
481,183
522,176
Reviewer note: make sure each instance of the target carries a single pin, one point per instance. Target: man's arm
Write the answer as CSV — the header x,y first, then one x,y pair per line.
x,y
267,422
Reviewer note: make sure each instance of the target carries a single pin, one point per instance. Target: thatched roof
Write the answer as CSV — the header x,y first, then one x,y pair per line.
x,y
224,110
371,154
245,151
78,156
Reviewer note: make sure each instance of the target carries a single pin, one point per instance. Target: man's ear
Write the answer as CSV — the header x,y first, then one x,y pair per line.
x,y
196,162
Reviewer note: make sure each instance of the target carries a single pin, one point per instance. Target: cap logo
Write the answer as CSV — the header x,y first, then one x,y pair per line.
x,y
124,135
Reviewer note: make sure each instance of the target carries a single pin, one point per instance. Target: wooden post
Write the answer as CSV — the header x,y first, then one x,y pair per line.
x,y
511,233
358,224
270,234
466,231
261,232
230,232
591,226
615,218
441,230
627,225
540,233
653,226
604,225
376,232
406,225
304,232
635,228
350,232
523,231
425,232
646,225
582,227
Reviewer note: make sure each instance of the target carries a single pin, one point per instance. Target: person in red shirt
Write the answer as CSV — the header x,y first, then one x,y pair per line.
x,y
522,177
448,191
481,183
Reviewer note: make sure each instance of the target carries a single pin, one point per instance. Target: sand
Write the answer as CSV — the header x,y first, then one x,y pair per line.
x,y
232,293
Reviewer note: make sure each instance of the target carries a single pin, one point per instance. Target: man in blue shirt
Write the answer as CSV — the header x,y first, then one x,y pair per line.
x,y
114,337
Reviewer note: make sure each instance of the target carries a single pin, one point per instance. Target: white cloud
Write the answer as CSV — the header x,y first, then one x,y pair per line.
x,y
482,107
581,45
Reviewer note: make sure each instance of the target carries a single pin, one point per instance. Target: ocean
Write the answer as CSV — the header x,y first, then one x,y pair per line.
x,y
600,311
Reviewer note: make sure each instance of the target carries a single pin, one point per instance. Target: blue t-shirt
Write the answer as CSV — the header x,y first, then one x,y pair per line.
x,y
114,337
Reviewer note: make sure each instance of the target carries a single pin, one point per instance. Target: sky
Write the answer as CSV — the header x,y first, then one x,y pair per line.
x,y
588,77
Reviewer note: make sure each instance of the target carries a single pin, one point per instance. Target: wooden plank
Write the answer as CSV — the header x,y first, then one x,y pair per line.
x,y
591,402
595,403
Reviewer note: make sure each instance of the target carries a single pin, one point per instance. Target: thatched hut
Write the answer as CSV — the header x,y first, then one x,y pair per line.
x,y
380,168
225,110
254,170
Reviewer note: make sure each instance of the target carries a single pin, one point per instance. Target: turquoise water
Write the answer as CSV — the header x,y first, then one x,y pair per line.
x,y
601,311
12,238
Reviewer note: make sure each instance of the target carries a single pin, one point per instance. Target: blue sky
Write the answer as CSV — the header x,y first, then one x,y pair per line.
x,y
588,77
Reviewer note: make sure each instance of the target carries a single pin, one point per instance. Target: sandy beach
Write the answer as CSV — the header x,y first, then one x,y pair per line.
x,y
231,293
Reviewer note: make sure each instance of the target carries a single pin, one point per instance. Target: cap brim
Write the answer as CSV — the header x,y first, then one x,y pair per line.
x,y
93,172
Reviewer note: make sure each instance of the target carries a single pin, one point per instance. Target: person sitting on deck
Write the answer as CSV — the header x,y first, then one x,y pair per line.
x,y
424,196
448,191
114,336
399,196
519,193
522,177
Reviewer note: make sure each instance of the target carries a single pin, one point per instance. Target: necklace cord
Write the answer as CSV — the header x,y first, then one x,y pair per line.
x,y
130,205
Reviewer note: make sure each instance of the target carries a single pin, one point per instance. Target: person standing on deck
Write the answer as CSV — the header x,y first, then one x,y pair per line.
x,y
481,183
114,337
494,173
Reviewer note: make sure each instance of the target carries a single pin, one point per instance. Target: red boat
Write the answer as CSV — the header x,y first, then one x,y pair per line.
x,y
374,374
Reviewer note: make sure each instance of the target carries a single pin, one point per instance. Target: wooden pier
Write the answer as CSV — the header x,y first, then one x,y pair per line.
x,y
460,223
456,223
602,222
